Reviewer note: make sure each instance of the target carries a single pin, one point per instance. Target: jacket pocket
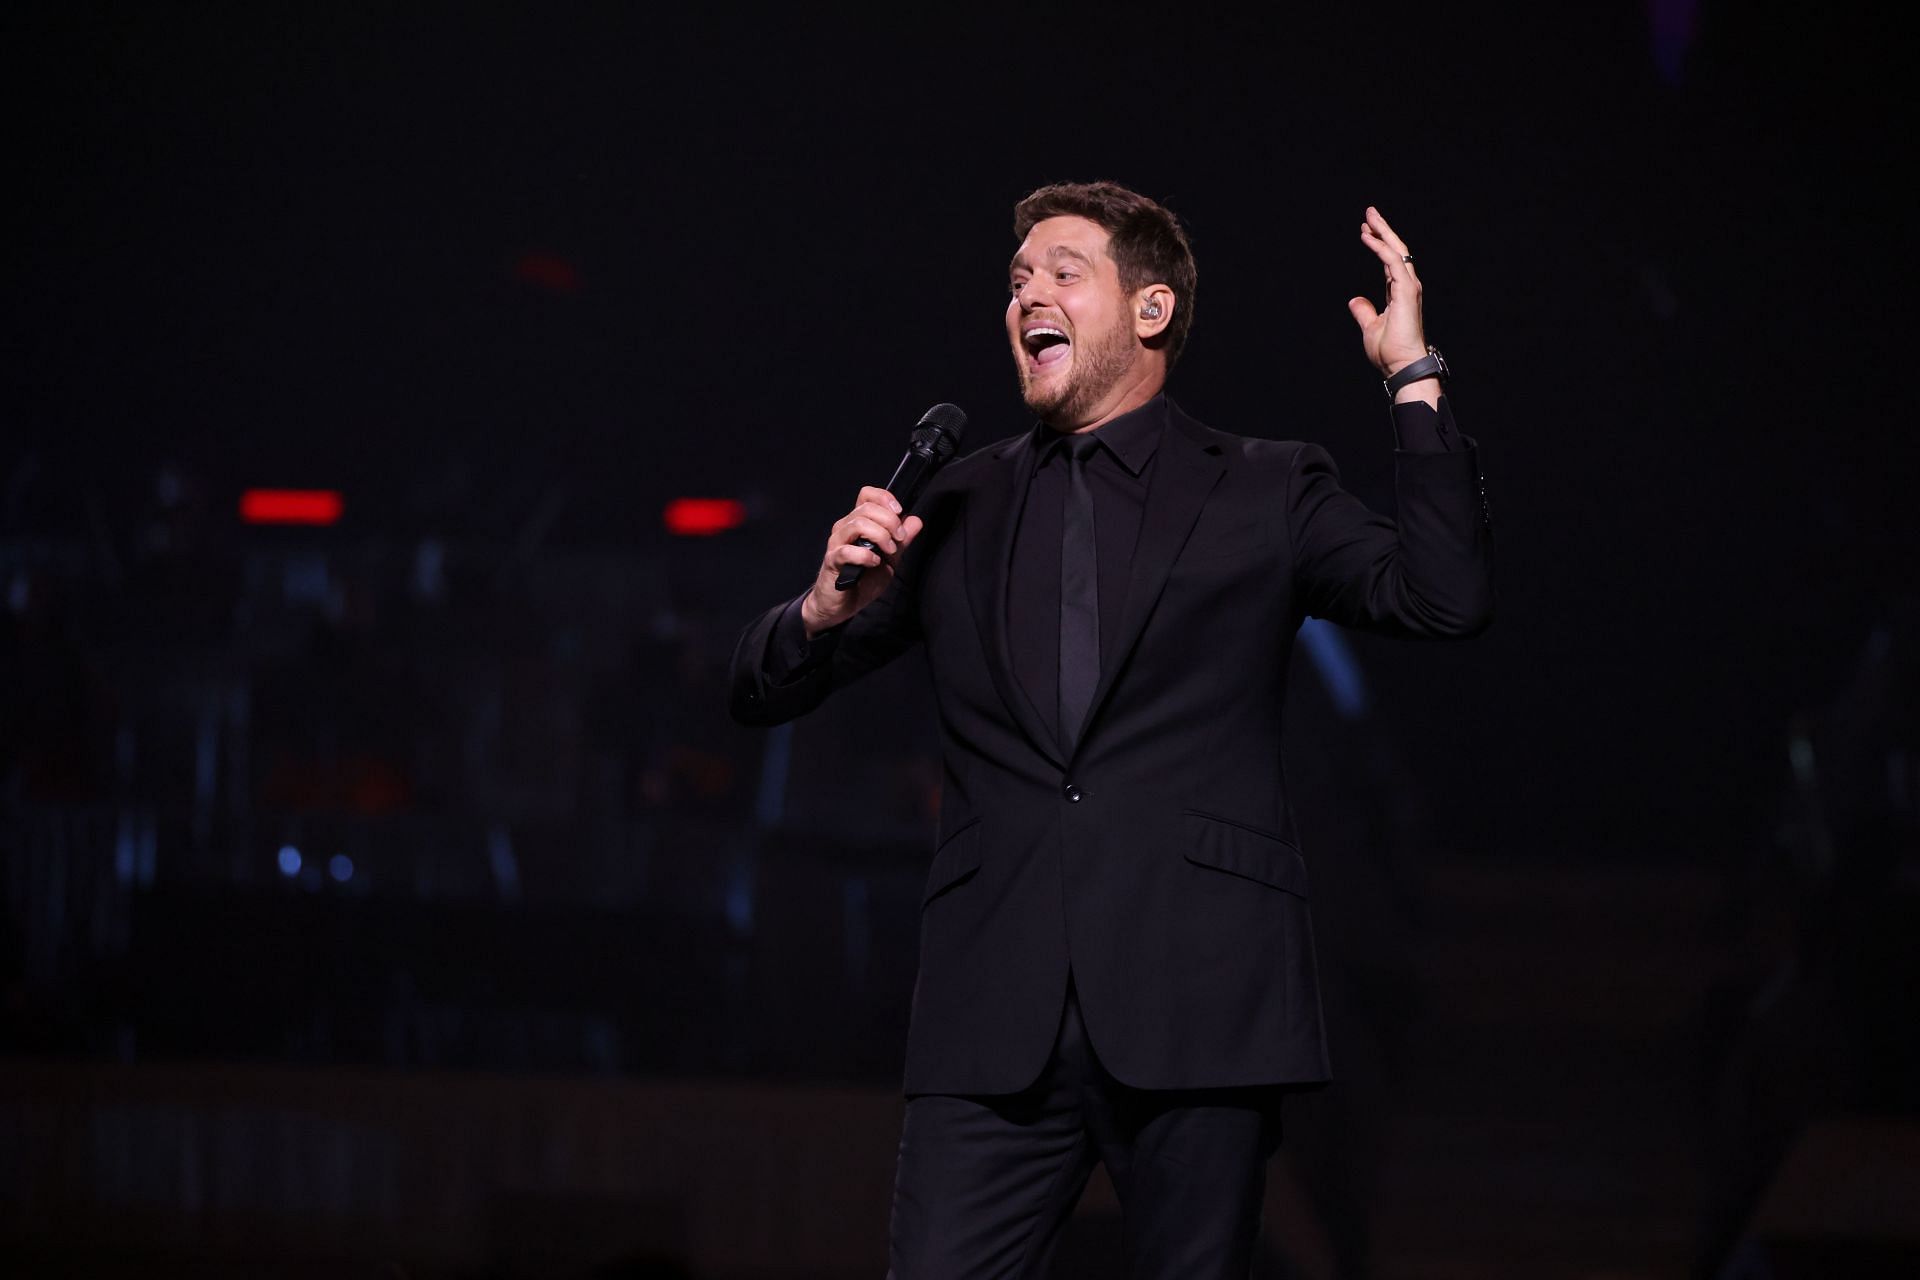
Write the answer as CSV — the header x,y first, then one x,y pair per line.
x,y
1241,850
957,858
1242,539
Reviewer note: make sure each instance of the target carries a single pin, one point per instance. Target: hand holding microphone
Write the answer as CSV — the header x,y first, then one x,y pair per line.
x,y
873,535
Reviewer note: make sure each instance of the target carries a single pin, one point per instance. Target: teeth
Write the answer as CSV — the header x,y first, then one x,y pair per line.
x,y
1041,331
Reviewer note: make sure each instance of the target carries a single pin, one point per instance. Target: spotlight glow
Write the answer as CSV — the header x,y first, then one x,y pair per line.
x,y
291,506
704,517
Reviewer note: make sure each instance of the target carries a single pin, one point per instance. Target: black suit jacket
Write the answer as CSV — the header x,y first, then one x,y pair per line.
x,y
1160,861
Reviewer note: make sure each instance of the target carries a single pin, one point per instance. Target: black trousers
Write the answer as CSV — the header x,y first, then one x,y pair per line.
x,y
985,1182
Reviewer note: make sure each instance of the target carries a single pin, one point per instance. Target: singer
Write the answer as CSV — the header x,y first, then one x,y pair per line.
x,y
1116,958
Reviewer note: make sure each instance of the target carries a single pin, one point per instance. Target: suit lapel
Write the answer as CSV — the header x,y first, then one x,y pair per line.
x,y
1184,473
992,507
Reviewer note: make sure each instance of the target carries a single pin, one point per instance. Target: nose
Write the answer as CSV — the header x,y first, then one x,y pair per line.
x,y
1034,294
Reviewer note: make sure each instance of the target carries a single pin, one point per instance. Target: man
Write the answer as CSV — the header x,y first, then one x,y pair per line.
x,y
1116,959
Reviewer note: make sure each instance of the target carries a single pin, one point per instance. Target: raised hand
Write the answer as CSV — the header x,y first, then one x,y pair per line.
x,y
875,517
1396,335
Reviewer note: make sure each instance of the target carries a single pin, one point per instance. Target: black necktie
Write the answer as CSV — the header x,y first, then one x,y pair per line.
x,y
1079,595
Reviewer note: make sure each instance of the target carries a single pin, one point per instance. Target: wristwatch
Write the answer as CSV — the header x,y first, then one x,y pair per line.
x,y
1430,365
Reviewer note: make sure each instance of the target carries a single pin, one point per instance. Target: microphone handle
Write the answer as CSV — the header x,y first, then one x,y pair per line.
x,y
909,478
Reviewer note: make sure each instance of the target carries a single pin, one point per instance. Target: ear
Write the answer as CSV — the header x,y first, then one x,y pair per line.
x,y
1152,311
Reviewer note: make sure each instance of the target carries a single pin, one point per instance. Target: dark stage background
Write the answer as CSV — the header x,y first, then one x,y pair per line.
x,y
393,897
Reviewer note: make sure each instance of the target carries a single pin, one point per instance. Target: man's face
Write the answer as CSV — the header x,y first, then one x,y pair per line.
x,y
1070,323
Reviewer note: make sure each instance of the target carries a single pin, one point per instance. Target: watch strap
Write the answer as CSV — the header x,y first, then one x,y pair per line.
x,y
1430,365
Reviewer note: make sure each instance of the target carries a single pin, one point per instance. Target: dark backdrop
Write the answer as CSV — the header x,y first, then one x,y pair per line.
x,y
297,249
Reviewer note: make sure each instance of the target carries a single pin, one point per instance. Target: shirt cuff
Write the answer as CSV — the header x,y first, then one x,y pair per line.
x,y
1419,428
789,652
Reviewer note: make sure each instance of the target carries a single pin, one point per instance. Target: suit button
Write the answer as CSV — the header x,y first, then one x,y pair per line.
x,y
1073,793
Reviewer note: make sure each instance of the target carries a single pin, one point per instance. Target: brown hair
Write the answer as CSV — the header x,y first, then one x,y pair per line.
x,y
1145,240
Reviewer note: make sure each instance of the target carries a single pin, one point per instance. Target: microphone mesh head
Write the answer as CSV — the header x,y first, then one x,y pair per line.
x,y
947,425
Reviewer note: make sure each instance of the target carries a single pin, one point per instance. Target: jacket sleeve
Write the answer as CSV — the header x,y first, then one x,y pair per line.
x,y
1428,575
767,686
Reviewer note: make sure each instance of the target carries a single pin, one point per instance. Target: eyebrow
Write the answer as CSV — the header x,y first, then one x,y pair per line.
x,y
1058,251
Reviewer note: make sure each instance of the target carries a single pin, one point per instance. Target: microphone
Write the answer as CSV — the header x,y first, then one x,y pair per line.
x,y
934,440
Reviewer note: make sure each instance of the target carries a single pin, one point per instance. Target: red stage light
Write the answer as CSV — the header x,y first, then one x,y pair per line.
x,y
704,517
291,506
548,271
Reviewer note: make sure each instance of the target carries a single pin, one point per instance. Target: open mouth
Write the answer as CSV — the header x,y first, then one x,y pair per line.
x,y
1046,346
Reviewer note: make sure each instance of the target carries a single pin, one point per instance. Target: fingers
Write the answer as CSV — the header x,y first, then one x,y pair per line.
x,y
1379,227
1392,251
909,530
876,518
886,517
882,530
842,554
1398,272
1392,333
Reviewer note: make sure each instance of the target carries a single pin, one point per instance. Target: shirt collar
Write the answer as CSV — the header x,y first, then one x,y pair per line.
x,y
1132,437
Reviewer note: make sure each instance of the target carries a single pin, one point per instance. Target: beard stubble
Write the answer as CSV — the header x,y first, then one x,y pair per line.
x,y
1097,368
